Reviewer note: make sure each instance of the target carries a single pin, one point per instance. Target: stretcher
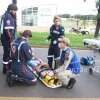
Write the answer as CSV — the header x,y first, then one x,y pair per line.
x,y
50,85
49,82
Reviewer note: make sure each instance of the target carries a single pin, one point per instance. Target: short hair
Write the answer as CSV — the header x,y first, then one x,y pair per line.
x,y
64,40
26,33
56,17
12,7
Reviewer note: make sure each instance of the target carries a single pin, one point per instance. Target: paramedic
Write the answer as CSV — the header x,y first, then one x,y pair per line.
x,y
21,53
8,27
56,31
69,62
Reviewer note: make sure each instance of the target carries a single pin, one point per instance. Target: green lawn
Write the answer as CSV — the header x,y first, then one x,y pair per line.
x,y
39,39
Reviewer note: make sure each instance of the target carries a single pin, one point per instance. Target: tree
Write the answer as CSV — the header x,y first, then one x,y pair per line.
x,y
65,15
98,19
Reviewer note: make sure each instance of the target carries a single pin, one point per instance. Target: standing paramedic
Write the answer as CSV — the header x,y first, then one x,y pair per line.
x,y
8,27
56,31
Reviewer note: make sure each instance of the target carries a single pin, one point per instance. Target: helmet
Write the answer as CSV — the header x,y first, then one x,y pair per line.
x,y
27,33
12,7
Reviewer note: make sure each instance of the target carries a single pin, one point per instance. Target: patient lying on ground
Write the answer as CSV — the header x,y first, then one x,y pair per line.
x,y
43,71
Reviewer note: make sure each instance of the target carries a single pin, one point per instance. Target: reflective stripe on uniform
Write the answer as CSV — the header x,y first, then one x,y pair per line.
x,y
19,49
5,62
10,60
57,58
9,27
51,56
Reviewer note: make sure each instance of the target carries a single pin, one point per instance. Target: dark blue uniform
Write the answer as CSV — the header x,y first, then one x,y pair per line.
x,y
74,65
54,50
21,53
8,24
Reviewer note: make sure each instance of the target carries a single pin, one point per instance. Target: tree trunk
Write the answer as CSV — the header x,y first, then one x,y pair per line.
x,y
98,24
14,1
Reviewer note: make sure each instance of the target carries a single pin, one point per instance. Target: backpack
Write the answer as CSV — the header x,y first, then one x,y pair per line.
x,y
87,61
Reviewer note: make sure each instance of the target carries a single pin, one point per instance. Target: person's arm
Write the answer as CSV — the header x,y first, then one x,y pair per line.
x,y
62,33
68,58
9,27
36,57
27,51
49,37
9,35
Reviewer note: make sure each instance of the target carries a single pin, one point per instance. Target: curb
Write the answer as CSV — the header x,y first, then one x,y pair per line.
x,y
46,46
42,46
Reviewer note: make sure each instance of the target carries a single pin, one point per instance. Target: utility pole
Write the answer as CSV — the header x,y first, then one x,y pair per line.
x,y
14,1
98,19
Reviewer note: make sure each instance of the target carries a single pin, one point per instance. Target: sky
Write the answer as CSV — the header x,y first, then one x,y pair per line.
x,y
63,6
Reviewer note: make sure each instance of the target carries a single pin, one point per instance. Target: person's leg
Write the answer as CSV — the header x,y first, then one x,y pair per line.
x,y
72,80
71,83
56,57
30,76
50,57
6,56
66,77
63,76
27,74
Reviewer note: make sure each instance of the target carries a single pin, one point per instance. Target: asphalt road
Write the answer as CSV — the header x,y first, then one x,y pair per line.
x,y
87,86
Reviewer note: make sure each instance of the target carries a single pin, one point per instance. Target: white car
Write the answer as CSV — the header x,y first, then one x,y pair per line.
x,y
92,43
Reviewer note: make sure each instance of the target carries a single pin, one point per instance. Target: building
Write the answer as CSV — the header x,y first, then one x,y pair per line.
x,y
30,16
31,12
41,15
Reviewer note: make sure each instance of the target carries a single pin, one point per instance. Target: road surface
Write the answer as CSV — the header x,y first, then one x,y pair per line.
x,y
87,86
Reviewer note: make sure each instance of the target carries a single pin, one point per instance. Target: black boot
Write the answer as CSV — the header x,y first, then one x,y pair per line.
x,y
57,64
9,65
50,61
71,83
4,71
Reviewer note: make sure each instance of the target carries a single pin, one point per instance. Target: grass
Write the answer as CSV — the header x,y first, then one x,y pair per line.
x,y
40,39
77,40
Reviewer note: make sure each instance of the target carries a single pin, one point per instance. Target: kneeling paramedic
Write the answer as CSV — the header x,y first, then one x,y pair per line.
x,y
70,66
21,54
